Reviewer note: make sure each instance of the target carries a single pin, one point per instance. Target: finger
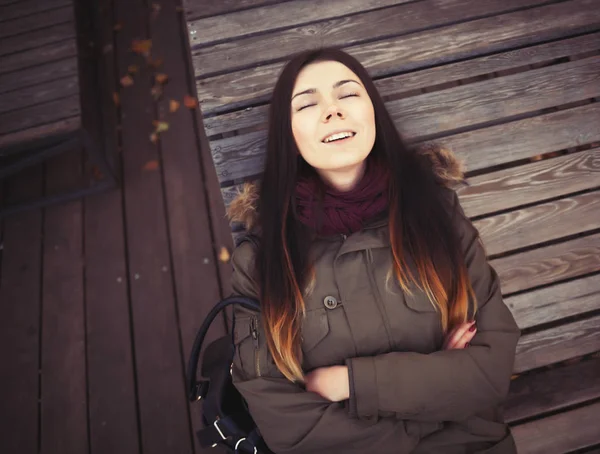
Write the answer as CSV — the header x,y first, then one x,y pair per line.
x,y
456,338
466,338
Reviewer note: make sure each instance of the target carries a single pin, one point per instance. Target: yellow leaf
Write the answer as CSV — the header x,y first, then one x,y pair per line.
x,y
224,255
151,165
161,126
156,91
190,102
116,98
126,81
173,106
154,64
133,69
141,46
154,138
161,78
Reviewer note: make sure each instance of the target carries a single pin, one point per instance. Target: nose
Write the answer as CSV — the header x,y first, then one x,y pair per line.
x,y
333,109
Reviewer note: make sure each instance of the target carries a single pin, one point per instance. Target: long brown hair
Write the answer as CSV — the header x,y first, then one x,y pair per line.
x,y
419,221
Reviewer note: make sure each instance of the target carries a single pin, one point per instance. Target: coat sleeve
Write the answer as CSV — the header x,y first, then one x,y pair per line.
x,y
449,385
291,419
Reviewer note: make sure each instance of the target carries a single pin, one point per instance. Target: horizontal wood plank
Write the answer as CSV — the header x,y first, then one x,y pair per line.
x,y
397,86
278,16
344,32
558,344
36,21
545,222
531,183
37,38
552,390
44,73
62,127
40,93
545,265
418,50
40,114
557,434
38,56
29,7
196,10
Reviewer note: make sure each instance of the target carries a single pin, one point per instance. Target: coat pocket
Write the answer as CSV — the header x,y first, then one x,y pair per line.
x,y
247,354
315,328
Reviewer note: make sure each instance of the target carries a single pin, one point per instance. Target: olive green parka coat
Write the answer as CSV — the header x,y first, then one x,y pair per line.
x,y
406,394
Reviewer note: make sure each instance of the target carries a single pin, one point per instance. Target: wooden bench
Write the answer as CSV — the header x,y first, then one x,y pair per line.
x,y
512,87
47,94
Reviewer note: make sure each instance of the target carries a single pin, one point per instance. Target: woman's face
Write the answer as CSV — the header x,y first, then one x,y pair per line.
x,y
329,98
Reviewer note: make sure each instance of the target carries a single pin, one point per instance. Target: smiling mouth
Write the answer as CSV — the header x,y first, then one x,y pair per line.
x,y
345,139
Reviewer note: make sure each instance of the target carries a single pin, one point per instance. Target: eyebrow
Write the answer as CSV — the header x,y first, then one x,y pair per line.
x,y
335,85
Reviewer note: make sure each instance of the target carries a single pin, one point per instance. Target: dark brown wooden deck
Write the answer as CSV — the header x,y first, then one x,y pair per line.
x,y
100,298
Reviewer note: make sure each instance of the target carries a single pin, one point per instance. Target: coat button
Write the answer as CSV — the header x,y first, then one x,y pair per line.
x,y
330,302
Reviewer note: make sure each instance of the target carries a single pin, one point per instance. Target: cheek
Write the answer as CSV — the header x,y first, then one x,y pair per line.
x,y
302,134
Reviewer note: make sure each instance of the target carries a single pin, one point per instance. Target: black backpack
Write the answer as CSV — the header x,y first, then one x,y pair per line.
x,y
225,418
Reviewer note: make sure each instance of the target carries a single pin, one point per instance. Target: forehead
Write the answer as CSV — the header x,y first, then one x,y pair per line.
x,y
322,75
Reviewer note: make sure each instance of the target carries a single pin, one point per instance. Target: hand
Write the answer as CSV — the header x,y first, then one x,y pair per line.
x,y
460,336
331,383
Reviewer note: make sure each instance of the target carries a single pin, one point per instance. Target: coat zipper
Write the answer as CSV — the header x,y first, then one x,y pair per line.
x,y
254,333
378,299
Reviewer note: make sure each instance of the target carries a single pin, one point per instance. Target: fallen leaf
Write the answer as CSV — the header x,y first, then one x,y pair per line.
x,y
173,106
190,102
118,26
161,78
224,255
151,165
116,98
126,81
133,69
154,63
154,138
161,126
141,46
156,91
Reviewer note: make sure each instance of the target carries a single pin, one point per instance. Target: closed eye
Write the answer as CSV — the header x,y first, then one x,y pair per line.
x,y
304,107
349,95
342,97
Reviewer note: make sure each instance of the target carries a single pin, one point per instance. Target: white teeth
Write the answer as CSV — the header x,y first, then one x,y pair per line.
x,y
341,135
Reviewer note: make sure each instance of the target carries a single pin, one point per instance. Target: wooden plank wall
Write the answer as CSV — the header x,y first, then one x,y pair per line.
x,y
513,88
101,298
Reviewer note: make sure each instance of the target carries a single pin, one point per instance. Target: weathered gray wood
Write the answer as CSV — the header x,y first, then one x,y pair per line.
x,y
533,182
418,50
241,156
397,86
558,344
278,16
557,434
27,7
545,222
40,114
549,264
558,301
64,126
35,21
553,390
37,94
38,56
43,73
196,10
344,31
37,38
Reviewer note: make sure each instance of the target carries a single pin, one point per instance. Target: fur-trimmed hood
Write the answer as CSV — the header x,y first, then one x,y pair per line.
x,y
449,171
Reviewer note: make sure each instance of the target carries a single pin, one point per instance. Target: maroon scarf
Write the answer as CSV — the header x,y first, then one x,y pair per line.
x,y
343,212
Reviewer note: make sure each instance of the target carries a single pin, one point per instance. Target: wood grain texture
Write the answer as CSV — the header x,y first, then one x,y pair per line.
x,y
65,126
37,38
196,10
40,114
530,183
552,390
38,56
397,86
344,32
441,112
28,7
44,73
545,265
63,368
163,414
418,50
559,433
36,21
38,94
558,344
20,304
278,16
540,223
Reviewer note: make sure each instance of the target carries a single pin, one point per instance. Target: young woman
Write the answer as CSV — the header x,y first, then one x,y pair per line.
x,y
382,327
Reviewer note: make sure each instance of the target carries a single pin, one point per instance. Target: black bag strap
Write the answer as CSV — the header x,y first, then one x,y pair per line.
x,y
195,387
